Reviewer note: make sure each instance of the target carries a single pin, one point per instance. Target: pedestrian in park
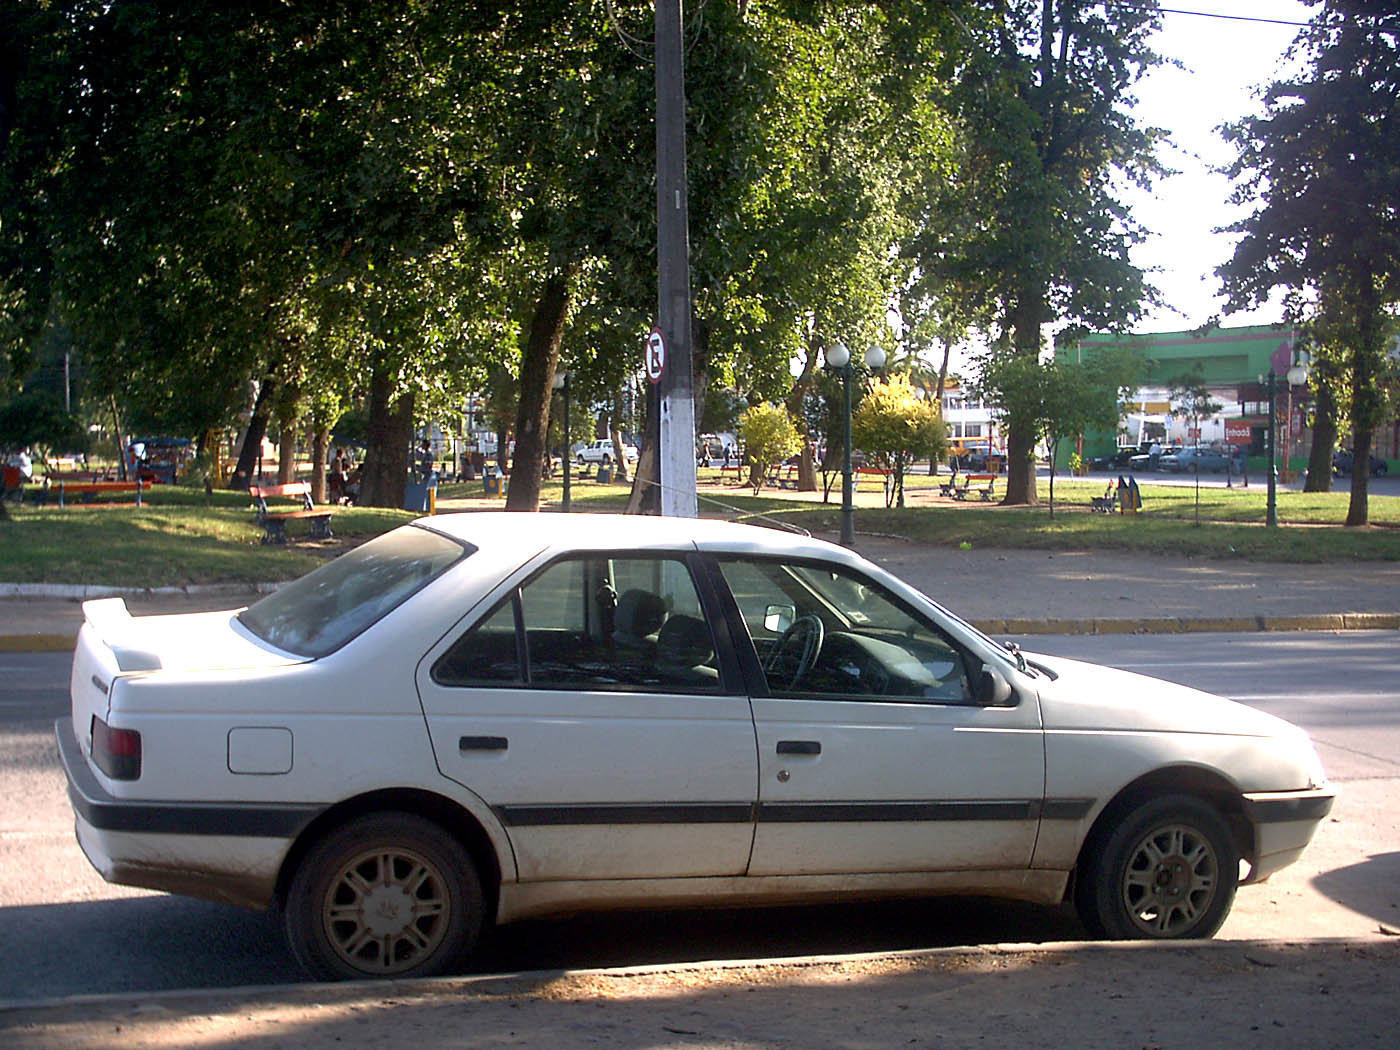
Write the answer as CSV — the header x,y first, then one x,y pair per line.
x,y
339,472
727,449
425,462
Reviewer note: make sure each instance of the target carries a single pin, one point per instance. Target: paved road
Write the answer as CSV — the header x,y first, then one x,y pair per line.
x,y
78,935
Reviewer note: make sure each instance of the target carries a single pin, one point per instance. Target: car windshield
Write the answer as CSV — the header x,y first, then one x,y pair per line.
x,y
320,612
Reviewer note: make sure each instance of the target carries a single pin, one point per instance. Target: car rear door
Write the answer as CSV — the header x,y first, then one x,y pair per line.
x,y
876,758
588,709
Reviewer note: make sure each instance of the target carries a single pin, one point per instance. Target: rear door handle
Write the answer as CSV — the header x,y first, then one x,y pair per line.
x,y
482,743
799,747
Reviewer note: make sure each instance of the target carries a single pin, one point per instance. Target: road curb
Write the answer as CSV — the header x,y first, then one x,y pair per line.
x,y
1194,624
58,642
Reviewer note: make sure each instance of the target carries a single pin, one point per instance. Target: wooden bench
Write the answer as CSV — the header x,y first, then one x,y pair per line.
x,y
88,491
274,522
734,468
982,486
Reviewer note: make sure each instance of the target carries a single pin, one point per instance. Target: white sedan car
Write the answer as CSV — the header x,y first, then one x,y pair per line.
x,y
486,717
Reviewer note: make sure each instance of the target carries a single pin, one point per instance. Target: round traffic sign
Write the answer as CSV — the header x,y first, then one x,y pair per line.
x,y
655,355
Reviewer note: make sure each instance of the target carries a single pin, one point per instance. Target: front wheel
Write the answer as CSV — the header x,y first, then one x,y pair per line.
x,y
385,895
1167,871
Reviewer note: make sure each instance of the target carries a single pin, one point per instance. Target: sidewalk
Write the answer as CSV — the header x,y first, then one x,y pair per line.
x,y
1001,591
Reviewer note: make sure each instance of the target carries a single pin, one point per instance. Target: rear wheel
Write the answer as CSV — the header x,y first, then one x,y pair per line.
x,y
385,895
1168,870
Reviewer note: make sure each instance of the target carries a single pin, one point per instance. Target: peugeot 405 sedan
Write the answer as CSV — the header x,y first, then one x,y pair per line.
x,y
485,717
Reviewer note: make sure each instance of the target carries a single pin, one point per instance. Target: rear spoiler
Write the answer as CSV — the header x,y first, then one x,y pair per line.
x,y
111,619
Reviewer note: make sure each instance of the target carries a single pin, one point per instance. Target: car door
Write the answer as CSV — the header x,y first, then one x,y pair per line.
x,y
589,710
872,754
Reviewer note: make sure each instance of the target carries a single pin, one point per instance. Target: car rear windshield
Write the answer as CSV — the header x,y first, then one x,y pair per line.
x,y
320,612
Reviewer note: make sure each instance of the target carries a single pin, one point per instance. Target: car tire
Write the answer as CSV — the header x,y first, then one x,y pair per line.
x,y
581,461
1166,871
384,895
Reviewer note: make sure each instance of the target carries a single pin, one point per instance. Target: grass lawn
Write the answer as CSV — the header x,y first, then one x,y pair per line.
x,y
181,537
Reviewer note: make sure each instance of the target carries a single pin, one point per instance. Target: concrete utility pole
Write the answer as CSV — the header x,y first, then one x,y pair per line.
x,y
676,463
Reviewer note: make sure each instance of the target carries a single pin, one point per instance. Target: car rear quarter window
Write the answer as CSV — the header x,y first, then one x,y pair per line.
x,y
323,610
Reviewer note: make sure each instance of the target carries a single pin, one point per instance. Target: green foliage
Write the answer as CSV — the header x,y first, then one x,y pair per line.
x,y
770,436
893,426
38,420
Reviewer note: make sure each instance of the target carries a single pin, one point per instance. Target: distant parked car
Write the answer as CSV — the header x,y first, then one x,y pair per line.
x,y
1119,460
1195,457
1343,459
602,451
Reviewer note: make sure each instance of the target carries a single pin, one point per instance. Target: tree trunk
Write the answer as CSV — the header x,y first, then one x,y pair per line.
x,y
536,385
938,397
320,445
1358,509
287,436
251,452
645,497
1324,438
1021,433
389,436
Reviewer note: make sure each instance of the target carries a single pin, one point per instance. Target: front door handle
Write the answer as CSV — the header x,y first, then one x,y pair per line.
x,y
799,747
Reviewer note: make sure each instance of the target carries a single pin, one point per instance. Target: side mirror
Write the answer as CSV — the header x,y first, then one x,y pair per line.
x,y
993,690
778,618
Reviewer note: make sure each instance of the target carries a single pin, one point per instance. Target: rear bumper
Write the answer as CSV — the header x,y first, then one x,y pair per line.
x,y
1284,823
217,852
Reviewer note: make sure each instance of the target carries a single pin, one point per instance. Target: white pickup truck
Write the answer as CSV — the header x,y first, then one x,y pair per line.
x,y
602,451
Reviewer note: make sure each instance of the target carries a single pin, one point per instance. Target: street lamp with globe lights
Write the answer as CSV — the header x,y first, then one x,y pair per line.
x,y
1297,375
561,384
838,358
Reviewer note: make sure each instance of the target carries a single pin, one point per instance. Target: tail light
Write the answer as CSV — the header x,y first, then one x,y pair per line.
x,y
117,752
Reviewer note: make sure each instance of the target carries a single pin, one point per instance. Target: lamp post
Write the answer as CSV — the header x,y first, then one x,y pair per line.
x,y
838,357
561,384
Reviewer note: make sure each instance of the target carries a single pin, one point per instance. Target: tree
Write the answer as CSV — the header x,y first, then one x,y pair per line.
x,y
1321,168
1060,398
1032,221
38,420
895,427
1191,400
770,436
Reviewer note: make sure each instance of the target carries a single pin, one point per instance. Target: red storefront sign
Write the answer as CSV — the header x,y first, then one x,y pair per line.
x,y
1238,432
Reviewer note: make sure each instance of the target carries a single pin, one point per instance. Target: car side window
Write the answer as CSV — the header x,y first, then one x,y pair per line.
x,y
595,623
822,631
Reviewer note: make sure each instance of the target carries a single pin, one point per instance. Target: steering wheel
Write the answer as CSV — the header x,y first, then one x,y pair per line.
x,y
796,649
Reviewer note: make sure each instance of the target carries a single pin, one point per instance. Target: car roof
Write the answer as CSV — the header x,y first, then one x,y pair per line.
x,y
496,529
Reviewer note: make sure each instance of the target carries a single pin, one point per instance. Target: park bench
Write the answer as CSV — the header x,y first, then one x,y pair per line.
x,y
945,488
782,475
88,492
983,486
274,522
736,469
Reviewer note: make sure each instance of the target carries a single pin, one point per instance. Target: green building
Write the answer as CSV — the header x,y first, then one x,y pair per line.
x,y
1231,362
